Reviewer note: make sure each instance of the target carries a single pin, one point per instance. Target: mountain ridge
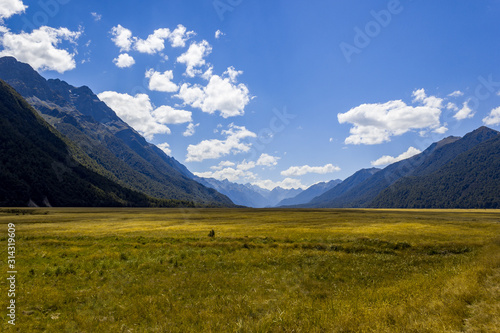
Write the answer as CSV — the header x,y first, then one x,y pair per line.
x,y
470,180
375,190
37,165
117,148
310,193
249,195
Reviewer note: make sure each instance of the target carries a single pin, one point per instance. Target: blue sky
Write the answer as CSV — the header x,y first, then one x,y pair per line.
x,y
287,93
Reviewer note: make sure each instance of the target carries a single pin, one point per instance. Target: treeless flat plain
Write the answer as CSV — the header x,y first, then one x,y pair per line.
x,y
266,270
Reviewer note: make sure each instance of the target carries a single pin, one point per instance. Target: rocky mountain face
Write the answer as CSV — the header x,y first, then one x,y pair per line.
x,y
123,155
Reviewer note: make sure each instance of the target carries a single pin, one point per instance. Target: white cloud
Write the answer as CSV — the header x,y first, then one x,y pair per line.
x,y
377,123
161,81
452,106
39,48
229,174
191,128
246,165
192,95
429,101
122,38
135,111
222,165
464,113
154,43
386,159
221,94
210,149
124,60
456,93
267,160
168,115
287,183
219,34
165,147
97,17
194,57
264,160
493,118
208,73
179,36
441,130
305,169
11,7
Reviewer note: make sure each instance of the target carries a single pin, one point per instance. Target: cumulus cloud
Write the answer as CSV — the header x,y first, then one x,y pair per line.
x,y
452,106
122,38
244,165
493,118
464,113
386,159
222,94
377,123
296,171
154,43
135,111
9,8
40,48
165,147
211,149
429,101
222,165
287,184
97,17
441,130
168,115
264,160
161,81
124,60
219,34
191,128
180,36
230,174
456,93
267,160
194,57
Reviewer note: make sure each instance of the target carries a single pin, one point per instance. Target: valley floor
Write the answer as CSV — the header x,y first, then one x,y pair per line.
x,y
266,270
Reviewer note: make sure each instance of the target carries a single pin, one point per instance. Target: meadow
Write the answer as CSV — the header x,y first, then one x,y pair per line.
x,y
266,270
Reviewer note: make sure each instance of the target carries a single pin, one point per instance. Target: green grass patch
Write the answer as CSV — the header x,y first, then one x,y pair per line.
x,y
270,270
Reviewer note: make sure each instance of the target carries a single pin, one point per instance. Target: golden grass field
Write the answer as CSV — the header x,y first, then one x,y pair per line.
x,y
266,270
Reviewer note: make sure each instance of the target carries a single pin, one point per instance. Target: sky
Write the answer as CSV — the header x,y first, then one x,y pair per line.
x,y
274,93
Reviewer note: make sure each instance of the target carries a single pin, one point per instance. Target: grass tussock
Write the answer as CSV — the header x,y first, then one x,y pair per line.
x,y
132,270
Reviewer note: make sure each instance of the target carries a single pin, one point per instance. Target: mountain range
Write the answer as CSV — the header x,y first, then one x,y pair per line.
x,y
251,195
452,173
118,152
61,146
39,166
310,193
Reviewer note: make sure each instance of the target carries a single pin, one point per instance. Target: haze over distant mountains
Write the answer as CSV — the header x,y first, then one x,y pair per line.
x,y
251,195
82,154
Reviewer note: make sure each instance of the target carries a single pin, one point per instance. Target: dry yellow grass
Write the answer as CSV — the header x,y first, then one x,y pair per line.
x,y
157,270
